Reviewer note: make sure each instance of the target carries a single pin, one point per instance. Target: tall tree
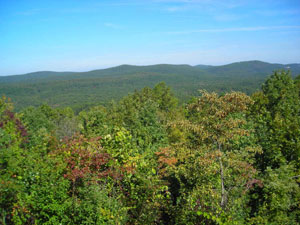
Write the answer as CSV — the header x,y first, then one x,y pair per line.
x,y
215,167
277,122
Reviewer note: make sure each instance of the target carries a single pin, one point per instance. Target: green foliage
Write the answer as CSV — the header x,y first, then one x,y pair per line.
x,y
83,90
215,170
139,113
164,97
276,112
45,192
220,159
44,119
280,201
276,115
94,122
12,137
98,205
141,184
95,189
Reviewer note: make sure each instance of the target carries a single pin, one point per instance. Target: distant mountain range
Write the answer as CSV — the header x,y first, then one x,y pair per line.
x,y
82,89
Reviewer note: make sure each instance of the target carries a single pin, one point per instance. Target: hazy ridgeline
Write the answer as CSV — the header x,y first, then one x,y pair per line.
x,y
84,89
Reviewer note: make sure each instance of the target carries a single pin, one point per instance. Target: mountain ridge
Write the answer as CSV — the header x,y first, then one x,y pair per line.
x,y
82,89
122,66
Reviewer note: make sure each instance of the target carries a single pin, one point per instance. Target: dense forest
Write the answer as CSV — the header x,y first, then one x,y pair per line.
x,y
219,158
82,90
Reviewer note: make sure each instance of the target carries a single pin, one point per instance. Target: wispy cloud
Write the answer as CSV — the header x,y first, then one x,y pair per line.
x,y
79,10
235,29
113,26
278,12
29,12
227,17
221,3
215,7
176,8
183,1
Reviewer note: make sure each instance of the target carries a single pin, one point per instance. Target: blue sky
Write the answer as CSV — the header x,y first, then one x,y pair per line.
x,y
81,35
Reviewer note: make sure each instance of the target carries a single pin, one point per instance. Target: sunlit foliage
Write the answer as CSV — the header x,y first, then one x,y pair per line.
x,y
218,159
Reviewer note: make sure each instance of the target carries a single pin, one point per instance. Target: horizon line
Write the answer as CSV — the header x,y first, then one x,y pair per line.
x,y
143,65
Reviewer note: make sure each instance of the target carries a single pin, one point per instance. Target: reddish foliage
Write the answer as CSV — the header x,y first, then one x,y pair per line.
x,y
21,128
10,116
128,169
165,160
86,159
250,184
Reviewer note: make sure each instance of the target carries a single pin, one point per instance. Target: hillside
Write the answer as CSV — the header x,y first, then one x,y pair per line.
x,y
81,89
250,68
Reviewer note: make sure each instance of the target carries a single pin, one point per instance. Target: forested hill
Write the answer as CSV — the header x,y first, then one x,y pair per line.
x,y
250,68
81,89
219,159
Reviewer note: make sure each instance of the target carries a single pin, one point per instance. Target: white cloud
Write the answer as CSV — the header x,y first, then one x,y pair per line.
x,y
227,17
220,3
113,26
177,8
290,12
173,9
182,1
235,29
29,12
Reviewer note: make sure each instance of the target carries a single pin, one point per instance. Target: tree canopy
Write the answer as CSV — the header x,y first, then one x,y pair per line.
x,y
223,158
